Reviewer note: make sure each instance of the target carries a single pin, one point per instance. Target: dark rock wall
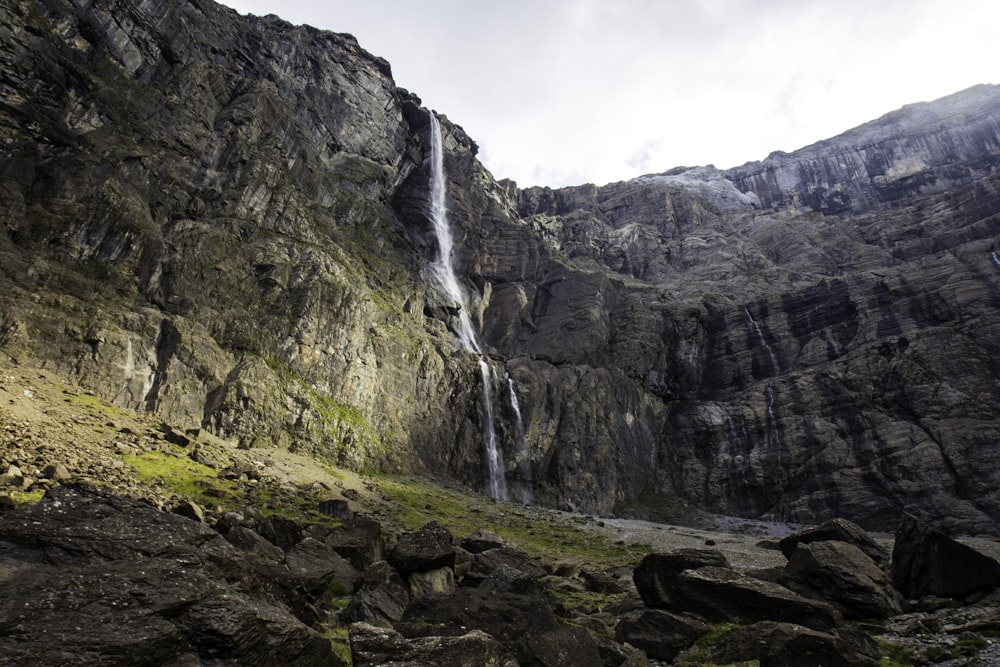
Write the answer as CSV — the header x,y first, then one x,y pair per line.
x,y
223,219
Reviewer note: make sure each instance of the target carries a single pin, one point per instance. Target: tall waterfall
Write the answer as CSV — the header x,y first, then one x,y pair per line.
x,y
444,272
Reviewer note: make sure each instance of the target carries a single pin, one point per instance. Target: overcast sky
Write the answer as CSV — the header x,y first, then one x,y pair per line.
x,y
562,92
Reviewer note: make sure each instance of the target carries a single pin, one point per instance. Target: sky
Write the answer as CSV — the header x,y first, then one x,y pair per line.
x,y
566,92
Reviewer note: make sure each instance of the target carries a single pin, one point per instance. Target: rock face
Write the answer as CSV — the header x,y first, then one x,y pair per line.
x,y
223,219
157,588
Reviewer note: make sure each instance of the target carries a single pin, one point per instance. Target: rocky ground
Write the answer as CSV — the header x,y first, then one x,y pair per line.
x,y
56,436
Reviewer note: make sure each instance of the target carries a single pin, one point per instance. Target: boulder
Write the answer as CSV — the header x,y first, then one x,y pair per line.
x,y
432,582
336,508
426,549
722,594
314,565
925,561
372,645
359,540
251,542
380,597
486,562
787,645
506,578
524,624
845,576
481,540
661,634
656,575
841,530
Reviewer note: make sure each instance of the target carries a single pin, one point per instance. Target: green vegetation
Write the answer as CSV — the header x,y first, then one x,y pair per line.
x,y
339,640
895,655
716,634
27,497
540,535
185,478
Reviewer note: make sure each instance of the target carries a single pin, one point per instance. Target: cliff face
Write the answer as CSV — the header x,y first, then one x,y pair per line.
x,y
224,220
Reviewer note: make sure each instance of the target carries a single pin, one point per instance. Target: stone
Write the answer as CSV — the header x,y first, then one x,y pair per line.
x,y
787,645
721,594
426,549
432,582
485,563
372,645
656,574
359,540
660,633
250,542
57,472
841,530
524,624
380,597
481,540
335,508
925,561
190,509
843,575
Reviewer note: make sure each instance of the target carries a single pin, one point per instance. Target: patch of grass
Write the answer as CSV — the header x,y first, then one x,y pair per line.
x,y
895,655
185,478
339,640
716,634
539,533
585,602
94,403
27,497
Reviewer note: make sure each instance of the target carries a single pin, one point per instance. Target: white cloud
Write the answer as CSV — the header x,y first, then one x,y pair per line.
x,y
569,91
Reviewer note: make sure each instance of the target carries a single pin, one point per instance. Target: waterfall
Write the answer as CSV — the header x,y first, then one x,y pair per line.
x,y
444,273
760,334
995,258
523,462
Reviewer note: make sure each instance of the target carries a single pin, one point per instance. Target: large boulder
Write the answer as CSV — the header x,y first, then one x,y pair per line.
x,y
841,530
359,540
843,575
925,561
722,594
426,549
656,575
525,624
660,633
789,645
372,645
380,597
511,557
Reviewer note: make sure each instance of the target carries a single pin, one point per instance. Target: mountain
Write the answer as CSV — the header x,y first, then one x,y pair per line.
x,y
225,220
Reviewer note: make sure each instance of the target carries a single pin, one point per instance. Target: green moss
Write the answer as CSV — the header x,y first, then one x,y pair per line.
x,y
585,602
27,497
421,501
94,404
895,655
716,634
339,640
185,478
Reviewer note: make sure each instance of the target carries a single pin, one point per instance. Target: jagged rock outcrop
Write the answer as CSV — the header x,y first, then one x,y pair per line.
x,y
223,219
